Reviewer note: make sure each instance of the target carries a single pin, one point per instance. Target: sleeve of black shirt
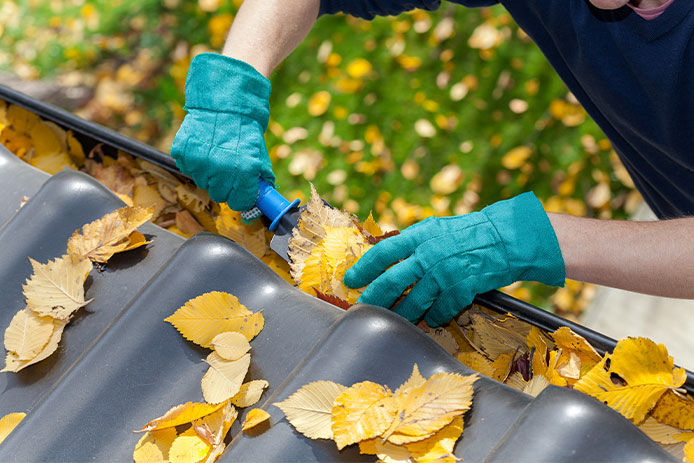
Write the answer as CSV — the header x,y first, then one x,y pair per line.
x,y
367,9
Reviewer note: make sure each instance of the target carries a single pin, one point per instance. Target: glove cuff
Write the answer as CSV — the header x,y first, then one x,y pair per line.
x,y
531,245
219,83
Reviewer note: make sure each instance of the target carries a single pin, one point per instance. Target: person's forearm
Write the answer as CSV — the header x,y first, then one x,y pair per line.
x,y
265,32
648,257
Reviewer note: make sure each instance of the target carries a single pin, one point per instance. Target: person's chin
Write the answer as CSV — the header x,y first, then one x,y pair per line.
x,y
609,4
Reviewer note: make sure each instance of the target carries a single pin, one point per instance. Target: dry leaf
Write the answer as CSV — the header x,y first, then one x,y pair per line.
x,y
188,449
537,384
251,237
187,224
204,317
414,381
309,408
444,339
101,239
569,342
224,378
228,416
255,417
424,410
230,345
148,198
659,432
13,363
675,409
28,334
250,393
361,412
633,377
181,414
439,447
154,446
56,289
8,423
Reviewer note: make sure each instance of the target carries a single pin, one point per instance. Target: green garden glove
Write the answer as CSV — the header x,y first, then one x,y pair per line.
x,y
220,143
452,259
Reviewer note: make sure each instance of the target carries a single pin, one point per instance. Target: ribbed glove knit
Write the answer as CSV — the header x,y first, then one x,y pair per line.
x,y
220,143
451,259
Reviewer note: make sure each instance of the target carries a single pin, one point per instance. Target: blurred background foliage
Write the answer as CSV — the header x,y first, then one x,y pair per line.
x,y
425,113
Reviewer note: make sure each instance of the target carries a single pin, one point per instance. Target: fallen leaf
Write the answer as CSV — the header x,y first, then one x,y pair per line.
x,y
27,334
675,409
249,393
14,364
230,345
154,446
56,289
254,417
8,423
438,447
182,414
361,412
224,378
309,408
101,239
188,449
424,410
659,432
204,317
632,378
414,381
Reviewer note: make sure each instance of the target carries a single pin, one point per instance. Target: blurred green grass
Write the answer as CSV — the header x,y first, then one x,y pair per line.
x,y
426,113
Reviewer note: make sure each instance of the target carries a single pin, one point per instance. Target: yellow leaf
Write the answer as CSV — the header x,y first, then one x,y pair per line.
x,y
52,163
632,378
414,381
146,197
358,68
371,226
154,446
135,240
568,341
424,410
477,362
516,157
324,270
255,417
362,411
309,409
387,452
204,317
56,289
8,423
75,149
12,361
104,237
224,378
689,448
538,347
251,237
537,384
675,409
447,180
214,427
228,415
188,449
659,432
438,447
21,119
501,367
318,103
181,414
230,345
495,336
27,334
250,393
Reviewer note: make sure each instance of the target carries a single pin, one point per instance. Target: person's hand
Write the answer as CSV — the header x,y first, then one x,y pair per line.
x,y
220,143
451,259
